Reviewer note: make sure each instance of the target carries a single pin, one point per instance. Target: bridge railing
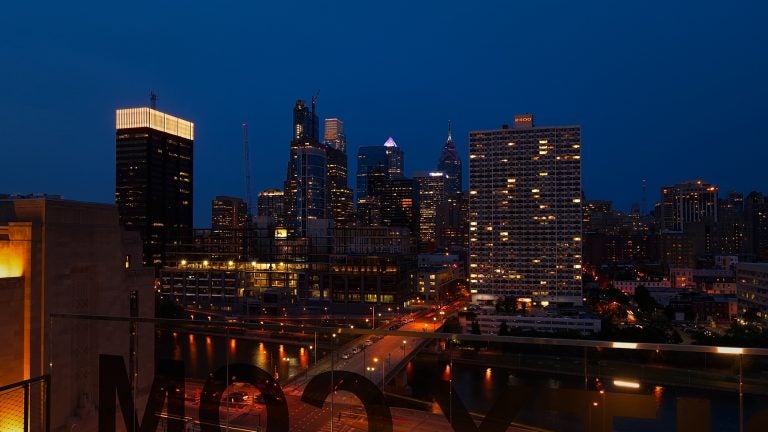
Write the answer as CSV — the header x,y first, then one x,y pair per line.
x,y
117,373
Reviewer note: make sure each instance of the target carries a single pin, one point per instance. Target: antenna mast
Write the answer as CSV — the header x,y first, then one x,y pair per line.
x,y
642,202
247,162
152,99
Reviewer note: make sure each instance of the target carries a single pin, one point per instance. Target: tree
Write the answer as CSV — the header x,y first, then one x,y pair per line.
x,y
645,302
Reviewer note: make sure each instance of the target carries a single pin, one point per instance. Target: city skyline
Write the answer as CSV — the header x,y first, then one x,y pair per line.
x,y
678,89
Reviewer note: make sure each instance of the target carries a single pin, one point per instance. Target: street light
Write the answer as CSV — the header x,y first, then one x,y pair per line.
x,y
376,361
403,346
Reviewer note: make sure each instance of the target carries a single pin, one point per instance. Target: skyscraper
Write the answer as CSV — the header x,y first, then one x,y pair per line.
x,y
450,164
229,221
396,206
153,178
303,145
525,213
431,203
340,202
311,196
333,135
450,231
375,163
270,203
683,203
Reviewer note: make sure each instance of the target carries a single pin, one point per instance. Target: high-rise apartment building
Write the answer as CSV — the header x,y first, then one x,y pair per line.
x,y
153,182
525,213
229,222
692,201
450,165
340,202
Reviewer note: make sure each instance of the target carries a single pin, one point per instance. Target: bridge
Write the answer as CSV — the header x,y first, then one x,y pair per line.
x,y
381,360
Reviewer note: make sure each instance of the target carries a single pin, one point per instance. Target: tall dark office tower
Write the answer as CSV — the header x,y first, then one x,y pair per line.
x,y
525,213
376,163
305,136
153,184
756,226
340,202
229,219
449,232
693,201
270,203
430,193
450,164
396,202
311,196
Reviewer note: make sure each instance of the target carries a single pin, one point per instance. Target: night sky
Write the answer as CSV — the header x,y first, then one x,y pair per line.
x,y
664,91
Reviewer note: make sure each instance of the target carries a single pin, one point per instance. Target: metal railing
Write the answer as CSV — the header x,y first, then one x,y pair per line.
x,y
238,375
24,405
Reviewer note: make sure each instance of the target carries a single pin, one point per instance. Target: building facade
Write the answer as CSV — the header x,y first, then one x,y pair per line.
x,y
449,164
302,162
687,202
229,224
341,204
525,213
270,204
153,178
432,204
376,164
68,257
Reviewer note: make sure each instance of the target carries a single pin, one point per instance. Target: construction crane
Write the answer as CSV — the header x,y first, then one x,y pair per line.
x,y
247,162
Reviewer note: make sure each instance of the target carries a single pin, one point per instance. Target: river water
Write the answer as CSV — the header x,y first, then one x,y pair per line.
x,y
478,387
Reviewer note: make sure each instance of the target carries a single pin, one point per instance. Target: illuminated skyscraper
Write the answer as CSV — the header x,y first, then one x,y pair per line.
x,y
270,203
153,178
303,161
229,219
431,203
340,202
334,134
525,213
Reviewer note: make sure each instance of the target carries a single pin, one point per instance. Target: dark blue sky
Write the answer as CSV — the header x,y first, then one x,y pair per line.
x,y
664,91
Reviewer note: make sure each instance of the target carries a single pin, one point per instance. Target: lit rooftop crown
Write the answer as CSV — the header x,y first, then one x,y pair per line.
x,y
147,117
390,143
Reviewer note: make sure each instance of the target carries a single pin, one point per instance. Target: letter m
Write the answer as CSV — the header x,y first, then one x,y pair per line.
x,y
168,383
